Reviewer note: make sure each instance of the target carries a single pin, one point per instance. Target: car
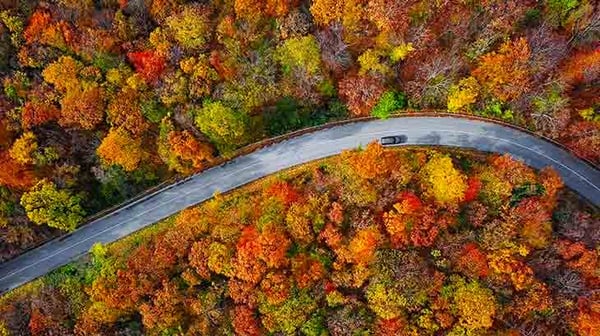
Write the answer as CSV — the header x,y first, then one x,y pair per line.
x,y
393,140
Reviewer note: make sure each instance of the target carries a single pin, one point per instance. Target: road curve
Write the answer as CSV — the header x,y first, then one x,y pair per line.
x,y
447,131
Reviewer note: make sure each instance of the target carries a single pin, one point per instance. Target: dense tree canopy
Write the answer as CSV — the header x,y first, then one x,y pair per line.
x,y
302,253
88,87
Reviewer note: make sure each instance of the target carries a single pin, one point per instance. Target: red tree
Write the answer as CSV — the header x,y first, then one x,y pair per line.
x,y
583,67
242,292
245,322
276,287
581,259
306,271
246,265
148,64
473,187
389,327
36,113
534,220
38,22
472,261
198,258
284,192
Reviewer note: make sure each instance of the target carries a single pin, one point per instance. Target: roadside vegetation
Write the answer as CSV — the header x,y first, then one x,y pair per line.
x,y
103,99
371,242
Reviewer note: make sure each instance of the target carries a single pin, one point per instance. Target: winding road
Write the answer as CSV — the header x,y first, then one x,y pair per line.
x,y
447,131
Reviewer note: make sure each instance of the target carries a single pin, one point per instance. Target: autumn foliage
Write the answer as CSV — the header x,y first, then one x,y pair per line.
x,y
443,182
361,93
14,174
188,149
148,64
185,82
120,148
504,73
300,253
38,113
104,99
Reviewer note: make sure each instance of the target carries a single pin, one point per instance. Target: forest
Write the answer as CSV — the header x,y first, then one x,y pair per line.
x,y
102,99
371,242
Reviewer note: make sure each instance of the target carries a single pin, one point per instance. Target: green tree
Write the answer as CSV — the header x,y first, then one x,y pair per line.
x,y
289,316
225,127
389,102
153,110
315,326
46,204
496,109
551,112
558,10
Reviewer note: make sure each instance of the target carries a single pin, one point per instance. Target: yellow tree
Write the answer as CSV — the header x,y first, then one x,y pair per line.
x,y
298,223
442,181
464,94
63,73
371,61
385,301
200,73
299,53
475,304
83,100
190,27
24,148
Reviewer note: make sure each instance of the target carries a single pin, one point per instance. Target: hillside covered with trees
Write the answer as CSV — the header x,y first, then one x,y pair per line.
x,y
371,242
102,99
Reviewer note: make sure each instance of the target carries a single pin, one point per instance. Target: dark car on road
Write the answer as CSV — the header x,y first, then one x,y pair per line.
x,y
393,140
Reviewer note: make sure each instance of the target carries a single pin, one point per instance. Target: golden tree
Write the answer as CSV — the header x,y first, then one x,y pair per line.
x,y
443,182
118,147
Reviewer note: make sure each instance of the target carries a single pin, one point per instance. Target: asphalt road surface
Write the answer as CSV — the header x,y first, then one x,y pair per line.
x,y
445,131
